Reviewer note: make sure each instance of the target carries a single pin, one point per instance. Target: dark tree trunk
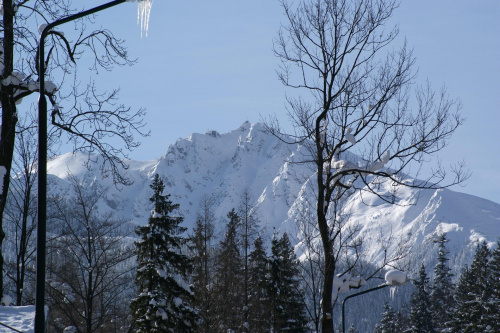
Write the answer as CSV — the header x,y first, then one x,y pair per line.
x,y
329,269
21,257
9,120
324,229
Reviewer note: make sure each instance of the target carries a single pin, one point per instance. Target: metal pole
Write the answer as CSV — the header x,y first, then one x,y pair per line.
x,y
42,166
357,294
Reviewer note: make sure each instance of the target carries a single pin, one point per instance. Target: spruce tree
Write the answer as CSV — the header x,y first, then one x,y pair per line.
x,y
463,299
493,304
287,304
420,313
352,329
164,299
471,294
402,321
228,276
388,321
248,226
441,295
258,302
202,276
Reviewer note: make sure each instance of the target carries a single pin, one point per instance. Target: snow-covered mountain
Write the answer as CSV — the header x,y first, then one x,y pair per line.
x,y
224,166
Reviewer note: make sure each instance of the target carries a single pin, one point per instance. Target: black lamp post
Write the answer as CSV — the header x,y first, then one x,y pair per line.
x,y
393,278
357,294
42,166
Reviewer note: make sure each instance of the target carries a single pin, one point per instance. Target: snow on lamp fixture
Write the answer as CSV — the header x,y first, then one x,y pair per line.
x,y
395,278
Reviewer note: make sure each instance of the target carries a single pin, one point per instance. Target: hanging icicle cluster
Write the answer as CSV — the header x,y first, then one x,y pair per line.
x,y
143,11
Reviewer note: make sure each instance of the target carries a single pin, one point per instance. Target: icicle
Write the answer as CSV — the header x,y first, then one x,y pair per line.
x,y
143,11
395,278
392,292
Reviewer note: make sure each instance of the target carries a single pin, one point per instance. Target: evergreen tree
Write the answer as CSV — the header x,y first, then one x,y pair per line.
x,y
164,298
493,305
402,321
388,322
420,313
463,299
228,277
248,226
258,302
441,295
287,304
202,276
471,294
352,329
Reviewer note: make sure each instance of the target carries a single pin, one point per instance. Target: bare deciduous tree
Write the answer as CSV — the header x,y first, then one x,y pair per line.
x,y
90,270
80,113
20,214
362,101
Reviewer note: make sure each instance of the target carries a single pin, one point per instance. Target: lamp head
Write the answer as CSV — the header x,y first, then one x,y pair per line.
x,y
395,278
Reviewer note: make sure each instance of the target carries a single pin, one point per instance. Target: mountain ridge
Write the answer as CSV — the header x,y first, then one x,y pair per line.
x,y
224,166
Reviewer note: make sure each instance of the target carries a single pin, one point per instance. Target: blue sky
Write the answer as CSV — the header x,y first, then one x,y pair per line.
x,y
210,65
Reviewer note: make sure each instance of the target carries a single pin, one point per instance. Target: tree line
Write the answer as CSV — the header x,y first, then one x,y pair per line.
x,y
166,279
230,285
472,304
102,280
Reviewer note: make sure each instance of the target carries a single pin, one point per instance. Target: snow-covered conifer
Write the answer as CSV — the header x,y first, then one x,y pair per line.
x,y
287,304
388,321
258,305
471,294
493,304
228,279
441,295
352,329
402,321
203,270
164,298
248,226
420,313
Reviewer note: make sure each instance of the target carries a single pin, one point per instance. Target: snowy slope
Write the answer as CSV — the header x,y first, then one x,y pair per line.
x,y
221,166
420,215
224,166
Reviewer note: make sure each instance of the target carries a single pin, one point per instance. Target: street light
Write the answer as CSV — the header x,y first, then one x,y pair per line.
x,y
42,164
393,278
